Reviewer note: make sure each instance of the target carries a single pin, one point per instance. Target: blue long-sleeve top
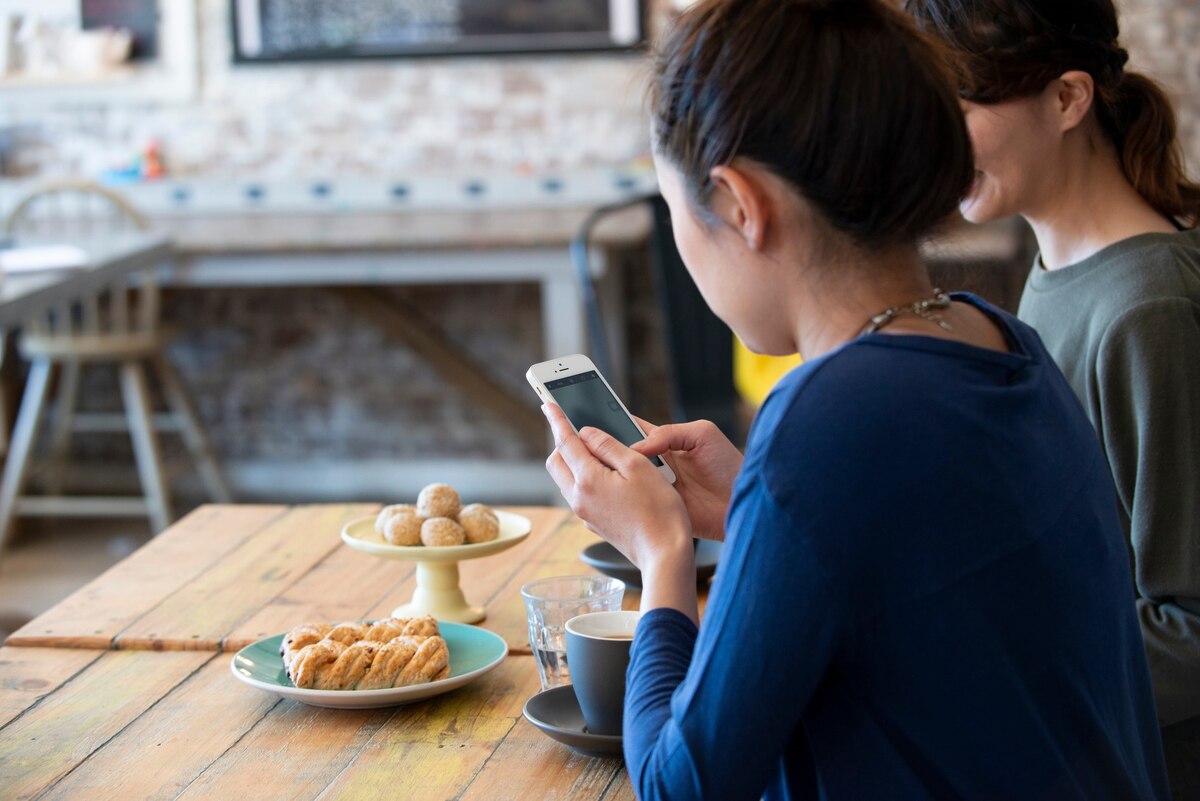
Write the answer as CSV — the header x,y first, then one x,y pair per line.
x,y
925,593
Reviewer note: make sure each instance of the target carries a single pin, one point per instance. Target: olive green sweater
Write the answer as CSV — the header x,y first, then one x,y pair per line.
x,y
1124,326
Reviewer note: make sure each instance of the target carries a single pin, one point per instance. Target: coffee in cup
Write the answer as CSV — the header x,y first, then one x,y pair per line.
x,y
598,646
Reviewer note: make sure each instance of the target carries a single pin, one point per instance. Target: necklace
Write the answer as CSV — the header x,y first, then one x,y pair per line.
x,y
924,309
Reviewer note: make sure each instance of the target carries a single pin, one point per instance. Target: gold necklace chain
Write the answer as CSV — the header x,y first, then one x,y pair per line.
x,y
925,309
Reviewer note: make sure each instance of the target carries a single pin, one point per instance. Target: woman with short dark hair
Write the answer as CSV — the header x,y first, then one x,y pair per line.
x,y
924,586
1085,149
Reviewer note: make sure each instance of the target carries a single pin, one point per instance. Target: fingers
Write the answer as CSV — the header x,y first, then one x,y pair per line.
x,y
561,474
646,425
676,437
609,450
579,460
560,426
656,443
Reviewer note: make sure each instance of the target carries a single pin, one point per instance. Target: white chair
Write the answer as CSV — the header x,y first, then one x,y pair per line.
x,y
116,326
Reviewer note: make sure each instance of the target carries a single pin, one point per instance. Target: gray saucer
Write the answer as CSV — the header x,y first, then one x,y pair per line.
x,y
611,562
556,712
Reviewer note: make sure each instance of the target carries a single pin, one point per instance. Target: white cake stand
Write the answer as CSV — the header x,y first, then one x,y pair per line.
x,y
438,592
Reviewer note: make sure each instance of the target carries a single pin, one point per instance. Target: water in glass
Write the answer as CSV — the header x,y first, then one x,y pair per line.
x,y
550,603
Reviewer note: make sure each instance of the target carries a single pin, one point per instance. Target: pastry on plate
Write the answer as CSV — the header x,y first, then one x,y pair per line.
x,y
439,532
402,526
392,627
438,500
386,513
438,519
300,637
479,522
393,652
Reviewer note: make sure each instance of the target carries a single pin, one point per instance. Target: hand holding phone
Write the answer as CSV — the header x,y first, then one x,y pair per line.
x,y
576,386
608,483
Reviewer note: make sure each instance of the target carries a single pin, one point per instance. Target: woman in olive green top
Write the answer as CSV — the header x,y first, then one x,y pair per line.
x,y
1086,152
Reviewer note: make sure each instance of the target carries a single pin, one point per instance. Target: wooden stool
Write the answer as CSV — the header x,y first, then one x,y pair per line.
x,y
118,326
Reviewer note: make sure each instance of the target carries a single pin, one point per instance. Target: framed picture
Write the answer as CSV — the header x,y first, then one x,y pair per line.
x,y
139,16
305,30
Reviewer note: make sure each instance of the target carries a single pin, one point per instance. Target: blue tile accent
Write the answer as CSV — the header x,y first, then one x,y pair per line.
x,y
624,182
399,191
254,193
321,189
552,185
475,188
181,195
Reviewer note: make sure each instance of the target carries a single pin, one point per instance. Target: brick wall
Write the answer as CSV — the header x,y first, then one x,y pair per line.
x,y
1163,40
354,118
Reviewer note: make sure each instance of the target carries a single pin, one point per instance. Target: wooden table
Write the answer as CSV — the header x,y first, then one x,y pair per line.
x,y
124,688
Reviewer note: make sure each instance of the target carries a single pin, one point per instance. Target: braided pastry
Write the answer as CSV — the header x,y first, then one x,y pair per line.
x,y
392,627
347,633
300,637
405,661
356,656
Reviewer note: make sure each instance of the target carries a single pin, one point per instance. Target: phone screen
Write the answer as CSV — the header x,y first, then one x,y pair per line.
x,y
586,401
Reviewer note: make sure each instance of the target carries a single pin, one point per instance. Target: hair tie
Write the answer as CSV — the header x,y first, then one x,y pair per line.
x,y
1114,62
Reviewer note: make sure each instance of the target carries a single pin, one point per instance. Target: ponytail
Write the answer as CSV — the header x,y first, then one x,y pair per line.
x,y
1138,118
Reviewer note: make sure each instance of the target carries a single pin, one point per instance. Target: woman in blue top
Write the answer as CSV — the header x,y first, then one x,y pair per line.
x,y
925,590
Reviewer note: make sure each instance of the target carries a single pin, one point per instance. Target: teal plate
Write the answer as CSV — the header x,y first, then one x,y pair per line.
x,y
473,652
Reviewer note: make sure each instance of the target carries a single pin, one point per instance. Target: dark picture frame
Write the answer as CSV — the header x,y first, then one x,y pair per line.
x,y
350,30
139,16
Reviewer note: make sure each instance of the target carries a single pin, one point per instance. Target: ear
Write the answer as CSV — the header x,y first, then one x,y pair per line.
x,y
739,198
1074,92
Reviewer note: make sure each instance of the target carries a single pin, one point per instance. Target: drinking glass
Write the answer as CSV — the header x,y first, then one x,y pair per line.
x,y
550,603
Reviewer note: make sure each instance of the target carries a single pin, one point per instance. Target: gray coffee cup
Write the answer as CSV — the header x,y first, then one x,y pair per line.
x,y
598,645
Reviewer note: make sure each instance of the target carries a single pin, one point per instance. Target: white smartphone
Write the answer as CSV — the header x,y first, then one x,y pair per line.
x,y
575,384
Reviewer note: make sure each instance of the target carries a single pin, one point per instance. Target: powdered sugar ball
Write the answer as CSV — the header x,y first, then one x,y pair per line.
x,y
480,523
438,532
438,500
404,526
386,512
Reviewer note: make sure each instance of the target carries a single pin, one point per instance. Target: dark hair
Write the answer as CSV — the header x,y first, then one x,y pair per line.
x,y
1010,49
844,99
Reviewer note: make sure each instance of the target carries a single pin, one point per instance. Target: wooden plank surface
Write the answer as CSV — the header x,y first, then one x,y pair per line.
x,y
200,615
528,764
29,674
620,789
151,725
80,724
42,745
93,616
344,586
173,742
429,750
434,750
295,752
